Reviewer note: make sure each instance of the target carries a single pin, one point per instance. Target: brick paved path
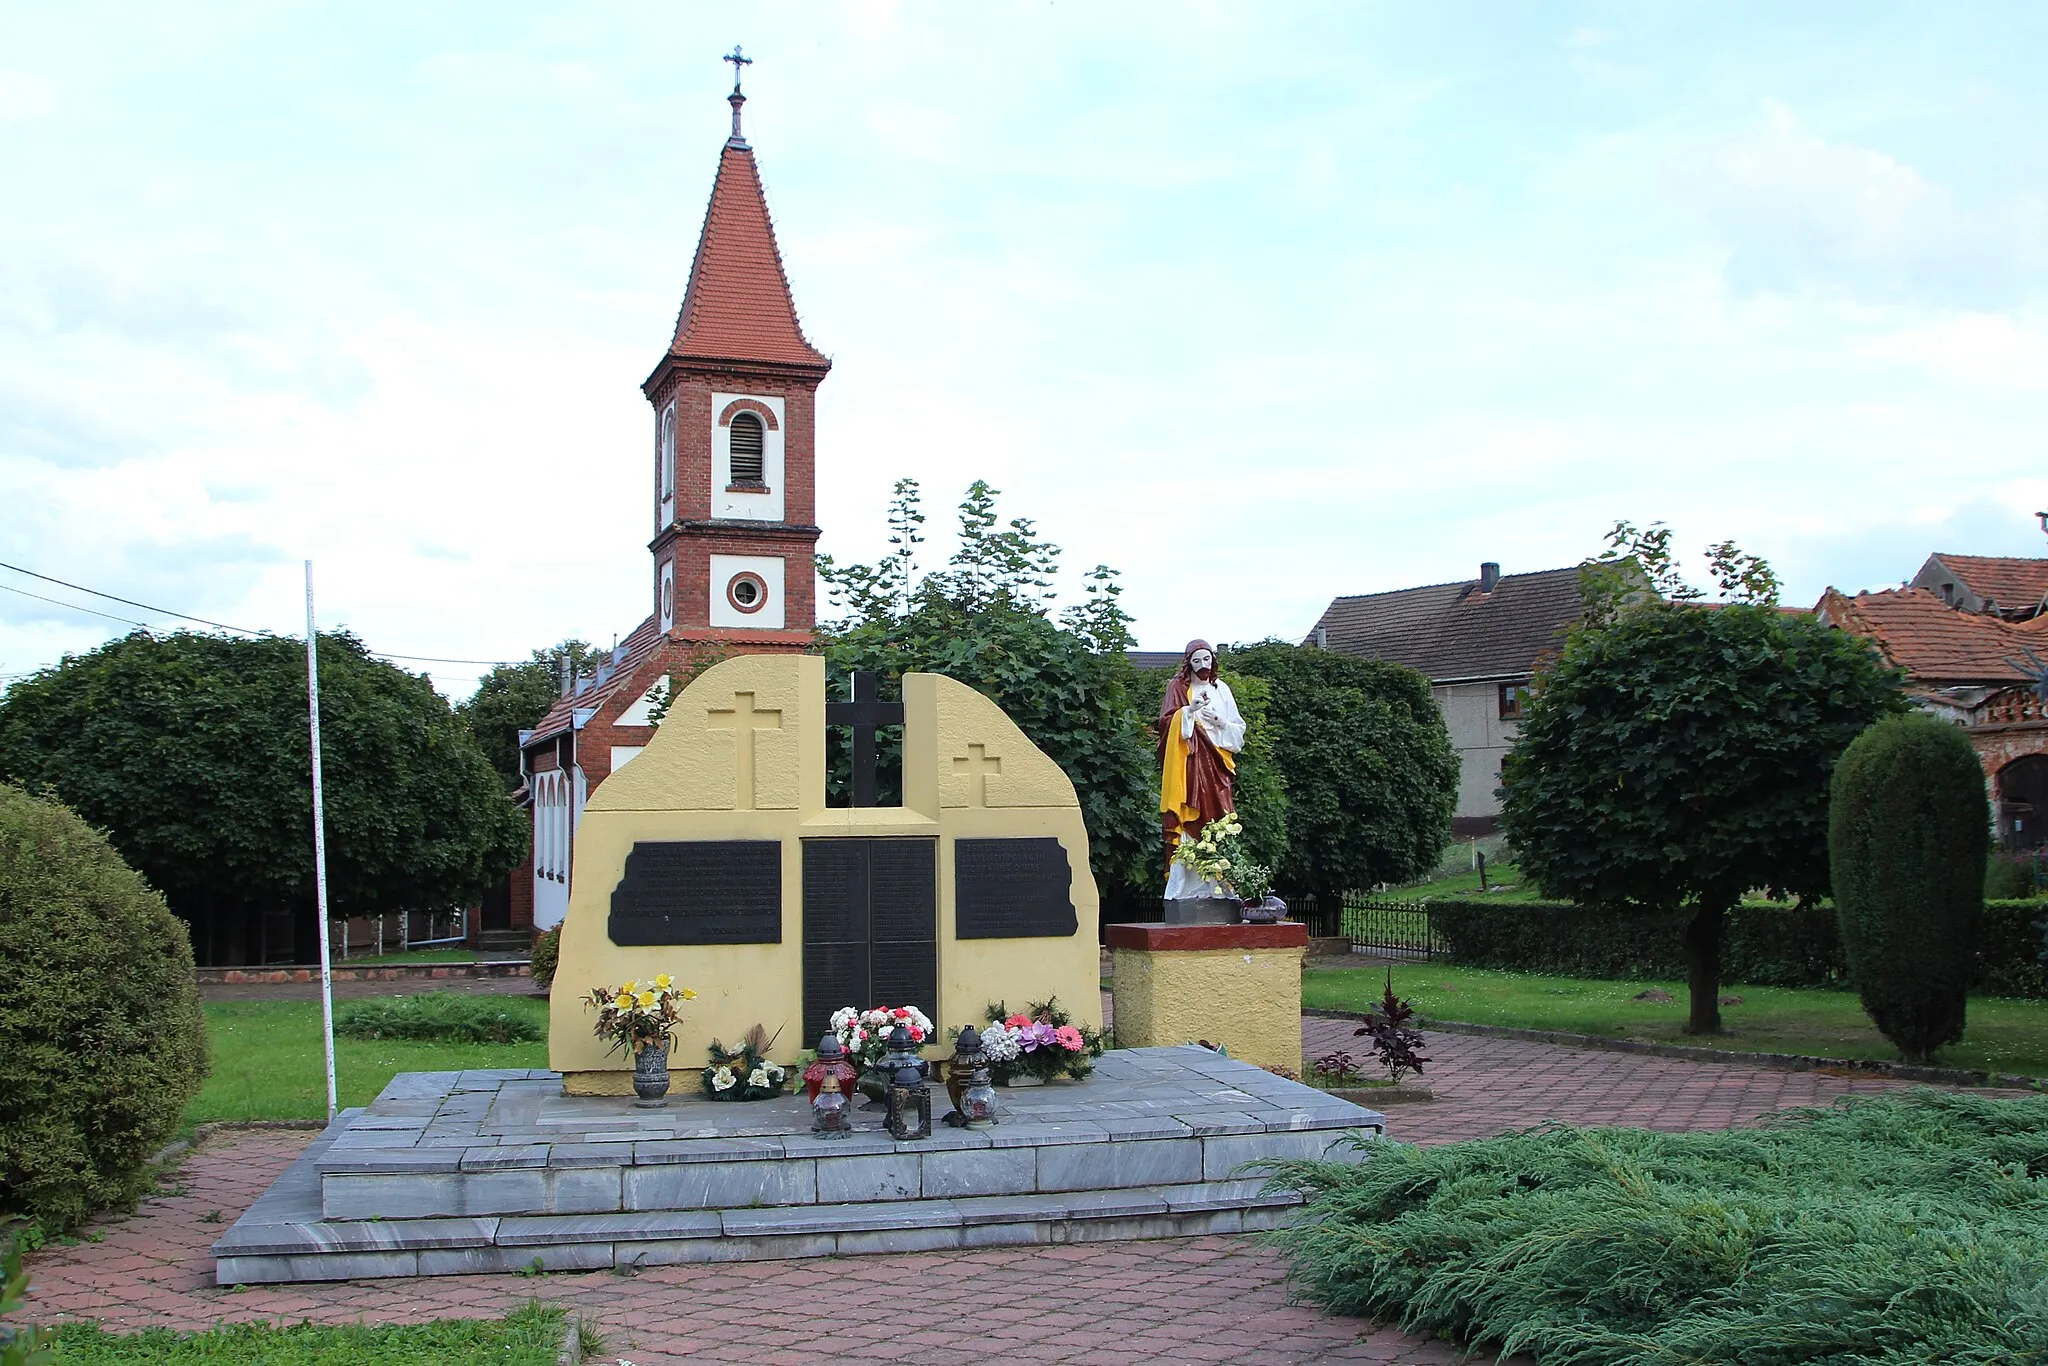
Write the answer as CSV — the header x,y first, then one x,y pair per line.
x,y
1186,1300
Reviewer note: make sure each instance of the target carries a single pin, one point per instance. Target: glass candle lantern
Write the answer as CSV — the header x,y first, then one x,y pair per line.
x,y
829,1116
910,1105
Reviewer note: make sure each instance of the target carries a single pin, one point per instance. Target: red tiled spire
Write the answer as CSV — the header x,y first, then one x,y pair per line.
x,y
738,305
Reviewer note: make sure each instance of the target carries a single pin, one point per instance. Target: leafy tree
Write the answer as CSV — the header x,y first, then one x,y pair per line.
x,y
190,750
1908,832
514,697
982,620
1677,754
1371,778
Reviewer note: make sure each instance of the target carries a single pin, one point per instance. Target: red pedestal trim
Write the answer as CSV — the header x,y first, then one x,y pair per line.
x,y
1288,934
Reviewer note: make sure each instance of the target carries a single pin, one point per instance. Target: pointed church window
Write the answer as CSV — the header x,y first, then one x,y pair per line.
x,y
668,451
746,445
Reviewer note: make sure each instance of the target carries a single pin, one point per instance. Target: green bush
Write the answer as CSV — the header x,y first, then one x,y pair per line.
x,y
436,1017
547,951
1768,946
1895,1230
2007,878
1908,833
101,1040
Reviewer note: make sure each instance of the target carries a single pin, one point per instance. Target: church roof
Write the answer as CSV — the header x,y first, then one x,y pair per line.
x,y
613,672
1455,631
738,305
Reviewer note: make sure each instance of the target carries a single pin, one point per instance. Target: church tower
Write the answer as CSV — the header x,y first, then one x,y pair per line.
x,y
734,408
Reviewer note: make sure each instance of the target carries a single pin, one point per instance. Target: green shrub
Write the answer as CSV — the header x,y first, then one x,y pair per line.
x,y
102,1043
547,951
1908,833
2010,961
2007,878
1902,1229
436,1017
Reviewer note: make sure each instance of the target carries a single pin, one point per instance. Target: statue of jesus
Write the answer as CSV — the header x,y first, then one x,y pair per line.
x,y
1200,733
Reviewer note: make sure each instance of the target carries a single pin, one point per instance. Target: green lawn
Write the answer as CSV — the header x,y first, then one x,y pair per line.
x,y
525,1337
267,1060
385,960
2004,1035
1467,884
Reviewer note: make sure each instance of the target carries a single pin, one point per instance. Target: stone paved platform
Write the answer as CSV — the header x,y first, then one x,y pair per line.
x,y
497,1171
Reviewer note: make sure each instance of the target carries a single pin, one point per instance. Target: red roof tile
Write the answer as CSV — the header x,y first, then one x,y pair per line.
x,y
738,305
598,689
2013,584
1934,643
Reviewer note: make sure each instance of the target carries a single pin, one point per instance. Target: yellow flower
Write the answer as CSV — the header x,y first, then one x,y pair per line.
x,y
646,1000
662,982
689,995
629,988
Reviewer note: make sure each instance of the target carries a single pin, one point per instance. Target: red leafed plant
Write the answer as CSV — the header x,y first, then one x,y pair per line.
x,y
1392,1037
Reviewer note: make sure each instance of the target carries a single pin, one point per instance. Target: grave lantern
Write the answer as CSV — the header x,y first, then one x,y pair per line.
x,y
968,1085
829,1117
910,1105
831,1062
903,1053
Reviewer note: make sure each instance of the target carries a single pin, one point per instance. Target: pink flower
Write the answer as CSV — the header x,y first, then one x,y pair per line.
x,y
916,1034
1017,1021
1068,1037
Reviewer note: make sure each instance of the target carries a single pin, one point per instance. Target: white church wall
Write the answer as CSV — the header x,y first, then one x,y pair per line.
x,y
727,610
751,507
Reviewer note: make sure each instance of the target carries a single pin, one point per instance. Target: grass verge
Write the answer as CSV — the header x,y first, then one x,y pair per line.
x,y
2004,1035
527,1336
267,1061
1893,1230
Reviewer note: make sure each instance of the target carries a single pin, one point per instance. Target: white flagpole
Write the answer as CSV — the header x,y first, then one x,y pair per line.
x,y
319,839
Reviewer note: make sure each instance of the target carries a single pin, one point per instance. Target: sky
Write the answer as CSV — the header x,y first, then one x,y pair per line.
x,y
1257,304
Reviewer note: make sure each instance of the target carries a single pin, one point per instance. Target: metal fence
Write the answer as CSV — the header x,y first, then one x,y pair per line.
x,y
1389,928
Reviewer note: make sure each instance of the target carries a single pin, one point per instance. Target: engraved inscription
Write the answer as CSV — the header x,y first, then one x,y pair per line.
x,y
699,892
1012,889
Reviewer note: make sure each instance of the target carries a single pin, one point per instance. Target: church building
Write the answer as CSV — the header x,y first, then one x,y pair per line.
x,y
731,496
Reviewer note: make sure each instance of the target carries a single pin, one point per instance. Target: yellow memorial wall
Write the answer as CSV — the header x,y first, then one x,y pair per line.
x,y
740,758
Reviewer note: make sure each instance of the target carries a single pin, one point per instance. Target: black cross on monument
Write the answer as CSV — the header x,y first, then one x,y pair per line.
x,y
864,713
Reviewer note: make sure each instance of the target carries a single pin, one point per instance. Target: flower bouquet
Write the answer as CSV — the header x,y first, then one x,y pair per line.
x,y
864,1034
1219,855
744,1073
1042,1042
638,1015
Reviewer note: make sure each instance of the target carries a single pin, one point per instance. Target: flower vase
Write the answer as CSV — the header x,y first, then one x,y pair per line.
x,y
872,1085
650,1076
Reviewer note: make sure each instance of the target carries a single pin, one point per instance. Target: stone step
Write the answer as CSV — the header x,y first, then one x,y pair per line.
x,y
284,1238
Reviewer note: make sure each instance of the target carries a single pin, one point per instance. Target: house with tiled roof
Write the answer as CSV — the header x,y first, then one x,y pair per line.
x,y
732,512
1972,657
1479,642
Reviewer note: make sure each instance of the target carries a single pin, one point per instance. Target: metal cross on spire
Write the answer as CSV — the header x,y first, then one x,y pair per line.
x,y
736,99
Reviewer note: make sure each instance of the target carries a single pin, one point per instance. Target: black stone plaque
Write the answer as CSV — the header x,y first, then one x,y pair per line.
x,y
699,892
1012,889
871,924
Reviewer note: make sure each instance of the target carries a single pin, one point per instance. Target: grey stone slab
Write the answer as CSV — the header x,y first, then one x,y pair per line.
x,y
543,1257
1017,1135
1114,1204
333,1266
1139,1162
1260,1219
981,1171
946,1139
505,1158
860,1143
707,1150
728,1249
899,1214
1012,1209
395,1114
585,1190
900,1240
417,1085
1162,1126
1214,1195
882,1176
1224,1155
304,1238
424,1196
587,1155
625,1136
378,1138
722,1185
1206,1122
1121,1230
609,1228
391,1161
1005,1235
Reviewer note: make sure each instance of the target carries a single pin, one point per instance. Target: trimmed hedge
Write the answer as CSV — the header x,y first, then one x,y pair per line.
x,y
1772,946
102,1043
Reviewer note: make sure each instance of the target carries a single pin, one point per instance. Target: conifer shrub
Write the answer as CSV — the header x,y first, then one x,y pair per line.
x,y
440,1017
547,952
1908,833
102,1043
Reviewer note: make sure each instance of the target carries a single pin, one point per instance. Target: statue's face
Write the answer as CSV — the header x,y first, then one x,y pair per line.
x,y
1202,661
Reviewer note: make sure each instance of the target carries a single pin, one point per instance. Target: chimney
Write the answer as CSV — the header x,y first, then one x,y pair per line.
x,y
1322,637
1489,577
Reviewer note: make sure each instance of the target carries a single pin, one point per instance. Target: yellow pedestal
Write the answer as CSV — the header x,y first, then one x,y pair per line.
x,y
1235,985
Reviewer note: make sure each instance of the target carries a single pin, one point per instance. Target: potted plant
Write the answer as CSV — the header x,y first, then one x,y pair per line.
x,y
1396,1044
744,1073
640,1018
1219,855
1040,1044
864,1034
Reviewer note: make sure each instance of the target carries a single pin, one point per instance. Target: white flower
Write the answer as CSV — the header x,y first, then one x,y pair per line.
x,y
775,1073
723,1079
758,1077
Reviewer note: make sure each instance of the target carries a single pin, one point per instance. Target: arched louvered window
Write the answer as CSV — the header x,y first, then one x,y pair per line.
x,y
746,443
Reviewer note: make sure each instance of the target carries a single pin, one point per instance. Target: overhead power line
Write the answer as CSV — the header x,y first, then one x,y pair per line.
x,y
187,616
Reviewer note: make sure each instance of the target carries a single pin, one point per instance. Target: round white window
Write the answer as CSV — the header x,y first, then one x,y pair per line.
x,y
746,592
